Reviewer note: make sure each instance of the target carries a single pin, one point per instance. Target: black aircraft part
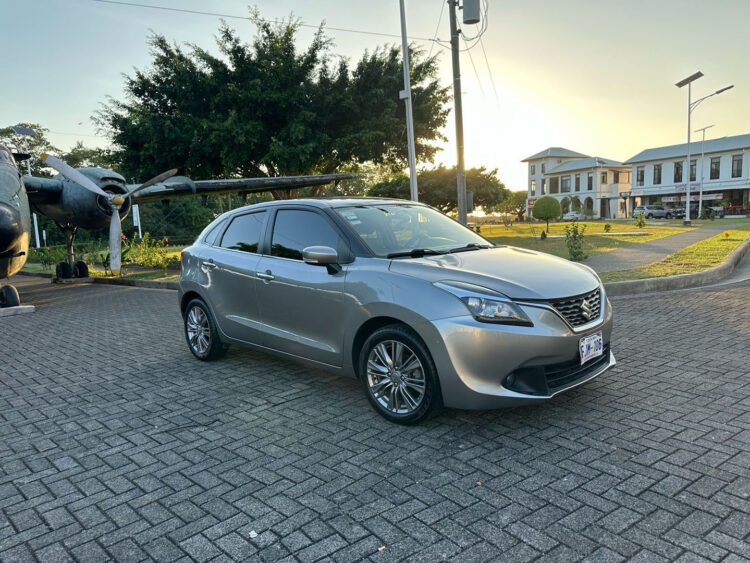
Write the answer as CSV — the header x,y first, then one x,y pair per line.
x,y
11,227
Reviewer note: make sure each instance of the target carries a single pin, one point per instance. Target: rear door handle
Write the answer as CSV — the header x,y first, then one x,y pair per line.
x,y
209,265
265,276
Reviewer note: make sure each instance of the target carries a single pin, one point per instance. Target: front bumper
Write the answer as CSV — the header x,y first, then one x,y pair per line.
x,y
474,360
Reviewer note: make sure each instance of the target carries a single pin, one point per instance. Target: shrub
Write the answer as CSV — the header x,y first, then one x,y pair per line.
x,y
574,239
48,256
546,208
726,234
543,236
607,227
640,221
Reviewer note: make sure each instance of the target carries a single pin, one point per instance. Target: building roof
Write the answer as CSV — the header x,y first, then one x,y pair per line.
x,y
583,164
555,152
675,151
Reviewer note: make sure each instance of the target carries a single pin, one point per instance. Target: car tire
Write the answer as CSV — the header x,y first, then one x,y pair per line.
x,y
668,216
650,216
201,334
404,397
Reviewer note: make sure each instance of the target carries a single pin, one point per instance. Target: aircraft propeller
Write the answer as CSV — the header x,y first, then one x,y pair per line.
x,y
116,201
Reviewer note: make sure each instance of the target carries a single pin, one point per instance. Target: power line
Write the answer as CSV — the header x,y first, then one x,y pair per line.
x,y
489,70
476,74
437,28
246,18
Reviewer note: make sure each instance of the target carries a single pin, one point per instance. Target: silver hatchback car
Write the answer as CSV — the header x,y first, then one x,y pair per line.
x,y
421,309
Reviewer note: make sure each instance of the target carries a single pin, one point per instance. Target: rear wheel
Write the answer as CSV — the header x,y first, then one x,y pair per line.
x,y
201,333
650,216
399,376
668,215
9,297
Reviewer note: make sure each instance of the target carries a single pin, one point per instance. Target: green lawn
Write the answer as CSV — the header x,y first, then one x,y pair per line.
x,y
694,258
526,235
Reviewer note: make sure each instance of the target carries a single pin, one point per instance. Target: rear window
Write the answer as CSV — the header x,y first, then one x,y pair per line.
x,y
244,232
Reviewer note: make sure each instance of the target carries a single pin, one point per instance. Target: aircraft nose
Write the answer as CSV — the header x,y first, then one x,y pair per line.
x,y
11,228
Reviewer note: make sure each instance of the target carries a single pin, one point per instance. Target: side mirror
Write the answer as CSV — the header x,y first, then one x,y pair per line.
x,y
320,255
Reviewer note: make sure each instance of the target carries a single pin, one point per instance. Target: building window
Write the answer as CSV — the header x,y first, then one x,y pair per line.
x,y
692,170
591,181
554,185
578,182
544,186
657,174
565,184
533,187
544,168
616,177
736,165
604,178
532,169
678,172
715,168
639,173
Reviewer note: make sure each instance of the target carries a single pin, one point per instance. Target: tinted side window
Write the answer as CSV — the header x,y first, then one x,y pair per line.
x,y
244,232
296,229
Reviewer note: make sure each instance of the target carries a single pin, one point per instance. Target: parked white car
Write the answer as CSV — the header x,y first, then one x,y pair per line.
x,y
572,216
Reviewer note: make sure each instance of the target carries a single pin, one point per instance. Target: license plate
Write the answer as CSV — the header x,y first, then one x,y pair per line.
x,y
590,347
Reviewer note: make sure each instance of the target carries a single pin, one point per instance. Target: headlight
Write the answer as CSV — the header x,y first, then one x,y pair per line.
x,y
486,305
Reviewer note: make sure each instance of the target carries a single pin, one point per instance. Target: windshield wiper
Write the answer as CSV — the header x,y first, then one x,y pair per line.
x,y
470,246
416,253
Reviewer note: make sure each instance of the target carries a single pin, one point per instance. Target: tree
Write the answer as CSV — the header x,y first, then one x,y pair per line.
x,y
546,208
514,204
268,108
437,187
35,145
81,155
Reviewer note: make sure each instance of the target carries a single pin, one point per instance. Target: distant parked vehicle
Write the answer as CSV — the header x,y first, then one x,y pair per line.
x,y
717,209
653,212
572,216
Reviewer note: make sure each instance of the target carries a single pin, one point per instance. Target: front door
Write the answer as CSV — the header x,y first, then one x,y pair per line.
x,y
302,306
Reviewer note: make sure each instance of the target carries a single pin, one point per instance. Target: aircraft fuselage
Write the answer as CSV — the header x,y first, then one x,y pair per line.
x,y
15,221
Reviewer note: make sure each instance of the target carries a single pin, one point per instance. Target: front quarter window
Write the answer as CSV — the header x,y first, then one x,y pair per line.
x,y
392,228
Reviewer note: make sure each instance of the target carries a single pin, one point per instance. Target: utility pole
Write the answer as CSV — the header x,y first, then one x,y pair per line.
x,y
703,155
458,110
405,95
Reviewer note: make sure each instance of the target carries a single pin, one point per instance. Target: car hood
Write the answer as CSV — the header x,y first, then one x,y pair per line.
x,y
515,272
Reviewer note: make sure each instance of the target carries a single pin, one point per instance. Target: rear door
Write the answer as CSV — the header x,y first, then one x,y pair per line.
x,y
302,305
231,267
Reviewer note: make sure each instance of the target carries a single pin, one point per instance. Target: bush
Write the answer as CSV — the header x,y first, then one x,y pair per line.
x,y
607,227
151,253
48,256
546,208
640,221
574,240
543,236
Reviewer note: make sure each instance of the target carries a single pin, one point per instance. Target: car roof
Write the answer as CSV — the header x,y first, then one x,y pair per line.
x,y
330,202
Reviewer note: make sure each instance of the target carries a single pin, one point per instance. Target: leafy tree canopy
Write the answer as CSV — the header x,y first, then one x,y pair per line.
x,y
268,108
437,187
514,204
546,208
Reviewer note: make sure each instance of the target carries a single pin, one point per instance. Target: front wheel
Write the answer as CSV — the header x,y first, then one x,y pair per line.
x,y
649,216
9,297
201,333
399,376
668,216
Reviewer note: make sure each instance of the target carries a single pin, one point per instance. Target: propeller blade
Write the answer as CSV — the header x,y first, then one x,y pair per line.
x,y
72,174
115,241
155,180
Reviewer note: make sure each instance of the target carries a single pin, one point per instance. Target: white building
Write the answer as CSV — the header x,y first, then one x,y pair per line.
x,y
659,173
596,182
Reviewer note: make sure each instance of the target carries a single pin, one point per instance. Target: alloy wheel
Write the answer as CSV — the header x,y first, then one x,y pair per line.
x,y
395,376
198,330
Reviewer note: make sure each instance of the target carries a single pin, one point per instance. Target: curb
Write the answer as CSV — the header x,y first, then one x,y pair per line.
x,y
148,284
682,281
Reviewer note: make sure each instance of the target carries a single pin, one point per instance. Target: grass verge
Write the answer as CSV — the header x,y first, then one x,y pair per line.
x,y
694,258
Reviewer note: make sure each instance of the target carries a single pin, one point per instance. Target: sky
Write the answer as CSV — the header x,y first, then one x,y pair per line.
x,y
594,76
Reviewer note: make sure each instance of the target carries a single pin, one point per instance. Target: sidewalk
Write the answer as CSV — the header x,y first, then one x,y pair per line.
x,y
647,252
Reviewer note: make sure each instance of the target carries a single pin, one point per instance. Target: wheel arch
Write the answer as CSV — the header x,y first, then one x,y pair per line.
x,y
365,330
187,298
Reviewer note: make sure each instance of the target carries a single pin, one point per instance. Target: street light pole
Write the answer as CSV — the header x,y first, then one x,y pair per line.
x,y
405,95
28,131
458,109
703,173
691,106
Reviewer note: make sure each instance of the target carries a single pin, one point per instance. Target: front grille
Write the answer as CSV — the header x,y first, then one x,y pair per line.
x,y
574,312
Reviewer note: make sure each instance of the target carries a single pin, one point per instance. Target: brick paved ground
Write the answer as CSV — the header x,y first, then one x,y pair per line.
x,y
116,444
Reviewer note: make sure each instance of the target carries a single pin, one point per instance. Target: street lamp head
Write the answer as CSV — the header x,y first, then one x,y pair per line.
x,y
724,89
689,79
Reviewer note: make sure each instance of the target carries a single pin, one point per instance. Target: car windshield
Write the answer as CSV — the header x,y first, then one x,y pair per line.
x,y
389,229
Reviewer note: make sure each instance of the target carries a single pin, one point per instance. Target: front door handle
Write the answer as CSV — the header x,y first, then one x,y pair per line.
x,y
266,276
209,265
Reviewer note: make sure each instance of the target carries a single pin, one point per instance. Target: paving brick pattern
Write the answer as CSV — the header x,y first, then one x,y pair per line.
x,y
116,444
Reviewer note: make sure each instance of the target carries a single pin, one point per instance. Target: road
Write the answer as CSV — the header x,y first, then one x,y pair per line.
x,y
117,444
